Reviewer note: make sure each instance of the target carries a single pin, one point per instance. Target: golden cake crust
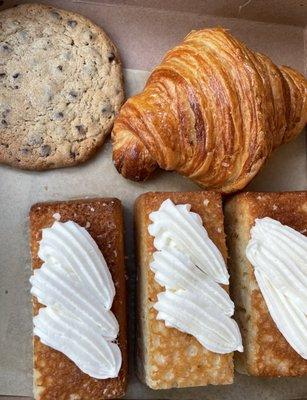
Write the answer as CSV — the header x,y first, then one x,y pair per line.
x,y
267,353
55,375
167,357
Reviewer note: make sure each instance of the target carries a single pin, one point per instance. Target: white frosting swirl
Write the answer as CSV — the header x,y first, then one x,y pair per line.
x,y
189,266
195,314
75,285
175,270
278,254
177,226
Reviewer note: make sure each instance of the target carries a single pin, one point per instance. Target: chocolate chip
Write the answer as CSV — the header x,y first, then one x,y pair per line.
x,y
73,93
45,150
74,150
72,23
4,47
67,55
111,57
56,14
107,109
23,34
3,122
25,151
58,115
72,42
5,112
2,74
16,87
81,129
35,140
16,75
60,68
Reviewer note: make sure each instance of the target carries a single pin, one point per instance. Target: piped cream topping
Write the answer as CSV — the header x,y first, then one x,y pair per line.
x,y
190,267
178,227
75,285
278,254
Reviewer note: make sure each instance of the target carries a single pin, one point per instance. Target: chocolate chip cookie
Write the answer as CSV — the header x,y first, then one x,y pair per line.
x,y
61,86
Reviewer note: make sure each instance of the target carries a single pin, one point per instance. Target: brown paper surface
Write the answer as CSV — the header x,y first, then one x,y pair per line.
x,y
142,35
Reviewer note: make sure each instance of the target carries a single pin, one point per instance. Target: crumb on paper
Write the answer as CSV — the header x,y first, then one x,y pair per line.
x,y
242,6
57,216
87,225
206,202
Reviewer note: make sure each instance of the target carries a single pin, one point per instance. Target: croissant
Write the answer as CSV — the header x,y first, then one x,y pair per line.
x,y
213,111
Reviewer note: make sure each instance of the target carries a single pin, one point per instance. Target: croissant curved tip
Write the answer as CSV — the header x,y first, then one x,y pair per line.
x,y
132,163
129,173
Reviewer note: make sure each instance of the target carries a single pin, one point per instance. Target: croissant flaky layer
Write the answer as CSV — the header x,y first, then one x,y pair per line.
x,y
213,110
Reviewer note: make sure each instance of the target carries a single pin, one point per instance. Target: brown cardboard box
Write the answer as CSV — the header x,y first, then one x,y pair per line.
x,y
143,31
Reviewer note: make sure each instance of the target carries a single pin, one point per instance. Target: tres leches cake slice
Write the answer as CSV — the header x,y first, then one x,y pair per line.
x,y
186,333
79,303
267,242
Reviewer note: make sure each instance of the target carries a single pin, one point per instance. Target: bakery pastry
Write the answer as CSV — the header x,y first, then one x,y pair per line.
x,y
61,86
267,352
55,375
213,111
168,357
